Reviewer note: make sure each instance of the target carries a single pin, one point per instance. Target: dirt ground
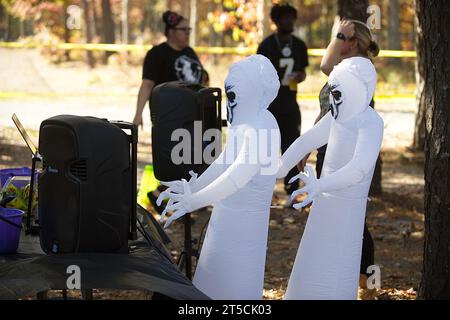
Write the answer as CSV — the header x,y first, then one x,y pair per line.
x,y
395,220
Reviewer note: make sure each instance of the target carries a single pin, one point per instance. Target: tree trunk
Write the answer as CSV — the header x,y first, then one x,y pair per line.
x,y
193,22
185,7
66,29
419,132
124,21
2,23
21,28
330,17
87,31
145,19
434,23
353,9
109,35
394,38
394,25
97,26
325,33
10,28
266,19
154,16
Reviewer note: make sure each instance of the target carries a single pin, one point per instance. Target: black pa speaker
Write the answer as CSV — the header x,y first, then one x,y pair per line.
x,y
178,105
87,189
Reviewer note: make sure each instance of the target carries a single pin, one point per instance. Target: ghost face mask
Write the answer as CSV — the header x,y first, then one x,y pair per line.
x,y
250,86
231,102
347,95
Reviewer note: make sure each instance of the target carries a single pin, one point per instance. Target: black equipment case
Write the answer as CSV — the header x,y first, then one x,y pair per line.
x,y
87,189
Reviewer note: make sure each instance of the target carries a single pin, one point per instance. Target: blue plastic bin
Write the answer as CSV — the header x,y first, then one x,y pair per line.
x,y
10,228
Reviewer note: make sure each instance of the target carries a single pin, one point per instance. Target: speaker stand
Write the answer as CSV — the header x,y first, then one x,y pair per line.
x,y
188,245
185,259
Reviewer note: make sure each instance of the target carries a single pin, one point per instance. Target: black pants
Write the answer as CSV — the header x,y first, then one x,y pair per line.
x,y
290,125
368,247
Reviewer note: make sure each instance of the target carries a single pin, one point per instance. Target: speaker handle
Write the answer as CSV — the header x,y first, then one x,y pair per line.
x,y
219,123
133,140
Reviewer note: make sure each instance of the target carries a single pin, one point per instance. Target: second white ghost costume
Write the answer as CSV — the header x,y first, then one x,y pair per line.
x,y
328,259
239,184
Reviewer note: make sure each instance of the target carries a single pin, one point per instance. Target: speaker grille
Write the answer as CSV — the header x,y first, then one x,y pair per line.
x,y
79,169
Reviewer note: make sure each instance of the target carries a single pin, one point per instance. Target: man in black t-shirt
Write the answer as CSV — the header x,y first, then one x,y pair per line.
x,y
289,56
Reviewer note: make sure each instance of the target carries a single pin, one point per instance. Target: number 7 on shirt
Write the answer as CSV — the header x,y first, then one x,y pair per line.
x,y
287,63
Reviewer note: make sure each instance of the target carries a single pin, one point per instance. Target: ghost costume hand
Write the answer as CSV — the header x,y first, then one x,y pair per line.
x,y
312,187
176,186
179,203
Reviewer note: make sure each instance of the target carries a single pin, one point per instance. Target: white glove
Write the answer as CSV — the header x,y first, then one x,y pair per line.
x,y
312,187
179,203
177,185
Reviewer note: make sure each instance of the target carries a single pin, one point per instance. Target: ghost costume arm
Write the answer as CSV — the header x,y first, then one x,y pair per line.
x,y
367,149
313,139
234,178
214,170
368,145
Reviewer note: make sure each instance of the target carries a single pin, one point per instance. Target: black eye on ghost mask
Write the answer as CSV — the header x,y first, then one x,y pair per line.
x,y
231,102
335,101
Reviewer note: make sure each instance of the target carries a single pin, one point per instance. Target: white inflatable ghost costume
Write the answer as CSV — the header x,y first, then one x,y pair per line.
x,y
328,260
239,184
